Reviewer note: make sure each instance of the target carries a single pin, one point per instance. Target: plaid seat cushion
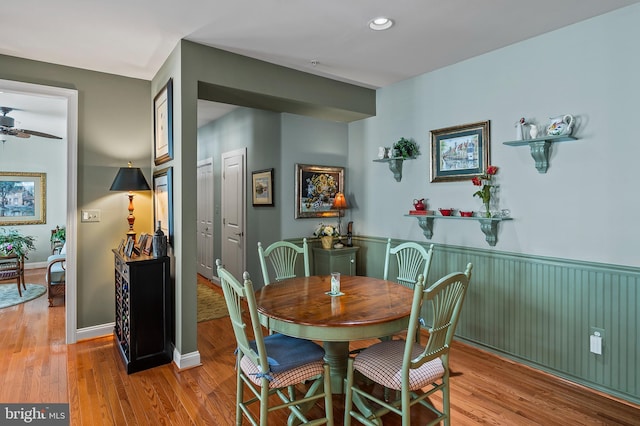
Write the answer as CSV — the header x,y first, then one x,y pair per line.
x,y
283,379
382,363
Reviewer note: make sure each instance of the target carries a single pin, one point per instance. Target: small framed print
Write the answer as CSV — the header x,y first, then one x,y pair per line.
x,y
163,201
262,187
460,152
128,250
163,124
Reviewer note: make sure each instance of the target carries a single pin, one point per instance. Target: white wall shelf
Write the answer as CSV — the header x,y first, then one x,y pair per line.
x,y
540,148
395,165
488,225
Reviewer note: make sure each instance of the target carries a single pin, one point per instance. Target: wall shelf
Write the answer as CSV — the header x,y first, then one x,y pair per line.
x,y
540,148
395,165
488,225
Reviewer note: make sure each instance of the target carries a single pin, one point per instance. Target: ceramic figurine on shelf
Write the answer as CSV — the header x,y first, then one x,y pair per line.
x,y
533,131
519,134
381,152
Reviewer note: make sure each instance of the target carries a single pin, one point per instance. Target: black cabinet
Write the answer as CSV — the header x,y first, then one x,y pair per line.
x,y
144,311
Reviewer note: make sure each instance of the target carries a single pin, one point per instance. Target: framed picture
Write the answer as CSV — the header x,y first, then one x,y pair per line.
x,y
459,152
163,124
23,198
128,250
163,201
316,187
262,187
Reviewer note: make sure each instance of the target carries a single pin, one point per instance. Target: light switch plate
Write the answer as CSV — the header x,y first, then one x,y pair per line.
x,y
90,216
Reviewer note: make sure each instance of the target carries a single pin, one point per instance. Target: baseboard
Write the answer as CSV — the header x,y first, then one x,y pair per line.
x,y
186,361
95,331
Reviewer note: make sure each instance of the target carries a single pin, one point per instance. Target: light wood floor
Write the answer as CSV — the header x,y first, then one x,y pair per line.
x,y
36,366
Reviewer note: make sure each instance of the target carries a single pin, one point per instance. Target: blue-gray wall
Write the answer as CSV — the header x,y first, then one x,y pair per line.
x,y
568,260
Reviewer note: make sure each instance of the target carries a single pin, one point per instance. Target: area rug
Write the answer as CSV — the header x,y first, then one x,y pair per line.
x,y
9,294
211,304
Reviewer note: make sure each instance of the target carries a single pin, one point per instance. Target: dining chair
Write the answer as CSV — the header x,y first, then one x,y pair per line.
x,y
274,364
412,260
415,371
283,256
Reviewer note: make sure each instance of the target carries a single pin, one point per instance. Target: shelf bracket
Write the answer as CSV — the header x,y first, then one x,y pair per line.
x,y
395,165
540,148
426,223
490,229
540,153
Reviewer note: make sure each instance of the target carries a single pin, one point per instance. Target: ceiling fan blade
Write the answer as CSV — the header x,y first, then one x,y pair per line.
x,y
35,133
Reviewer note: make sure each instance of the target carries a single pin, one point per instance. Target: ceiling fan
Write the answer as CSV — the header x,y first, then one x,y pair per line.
x,y
7,127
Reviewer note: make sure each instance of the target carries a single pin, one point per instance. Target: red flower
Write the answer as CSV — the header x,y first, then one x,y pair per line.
x,y
491,170
476,181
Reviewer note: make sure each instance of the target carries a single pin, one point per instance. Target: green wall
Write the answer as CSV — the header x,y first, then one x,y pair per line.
x,y
114,126
539,311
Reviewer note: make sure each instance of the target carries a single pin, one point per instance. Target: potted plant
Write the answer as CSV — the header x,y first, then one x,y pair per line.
x,y
326,234
59,235
406,148
13,242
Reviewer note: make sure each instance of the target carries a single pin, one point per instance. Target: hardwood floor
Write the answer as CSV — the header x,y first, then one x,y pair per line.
x,y
38,367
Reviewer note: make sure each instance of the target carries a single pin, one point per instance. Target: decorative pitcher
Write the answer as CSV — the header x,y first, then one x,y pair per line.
x,y
560,125
419,204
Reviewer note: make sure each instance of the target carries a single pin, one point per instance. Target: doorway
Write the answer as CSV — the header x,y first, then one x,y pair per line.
x,y
205,188
70,97
234,211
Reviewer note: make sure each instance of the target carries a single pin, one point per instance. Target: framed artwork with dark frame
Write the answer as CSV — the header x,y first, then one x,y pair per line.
x,y
316,187
262,187
23,198
460,152
163,124
163,201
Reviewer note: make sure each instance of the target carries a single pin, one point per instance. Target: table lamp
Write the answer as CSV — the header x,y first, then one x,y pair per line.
x,y
340,204
130,179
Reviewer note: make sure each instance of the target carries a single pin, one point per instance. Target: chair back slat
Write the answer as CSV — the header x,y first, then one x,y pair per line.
x,y
412,260
283,258
446,297
234,294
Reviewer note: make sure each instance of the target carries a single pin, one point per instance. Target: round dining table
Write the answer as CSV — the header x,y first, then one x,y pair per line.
x,y
365,308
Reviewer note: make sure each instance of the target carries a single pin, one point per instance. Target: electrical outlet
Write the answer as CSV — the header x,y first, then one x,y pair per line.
x,y
596,337
90,216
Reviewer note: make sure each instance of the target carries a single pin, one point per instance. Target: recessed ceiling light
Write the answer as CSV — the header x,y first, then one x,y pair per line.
x,y
380,24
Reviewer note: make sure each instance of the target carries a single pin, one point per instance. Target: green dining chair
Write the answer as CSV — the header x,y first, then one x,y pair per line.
x,y
415,371
283,256
274,364
412,260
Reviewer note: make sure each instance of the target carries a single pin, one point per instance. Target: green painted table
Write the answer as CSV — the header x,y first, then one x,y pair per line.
x,y
368,308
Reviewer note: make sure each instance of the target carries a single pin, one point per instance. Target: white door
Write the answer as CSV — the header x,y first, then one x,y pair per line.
x,y
205,218
233,211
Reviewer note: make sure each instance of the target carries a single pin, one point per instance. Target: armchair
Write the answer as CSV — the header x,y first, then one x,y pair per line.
x,y
56,274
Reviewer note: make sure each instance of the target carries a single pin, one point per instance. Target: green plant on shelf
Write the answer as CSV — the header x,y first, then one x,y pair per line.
x,y
406,148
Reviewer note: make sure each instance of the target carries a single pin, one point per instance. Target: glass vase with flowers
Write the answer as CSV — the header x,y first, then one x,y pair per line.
x,y
485,180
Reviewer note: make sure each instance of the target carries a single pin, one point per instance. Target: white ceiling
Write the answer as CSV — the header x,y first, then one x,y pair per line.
x,y
134,38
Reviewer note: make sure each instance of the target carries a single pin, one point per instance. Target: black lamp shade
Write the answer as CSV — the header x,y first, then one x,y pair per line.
x,y
129,179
